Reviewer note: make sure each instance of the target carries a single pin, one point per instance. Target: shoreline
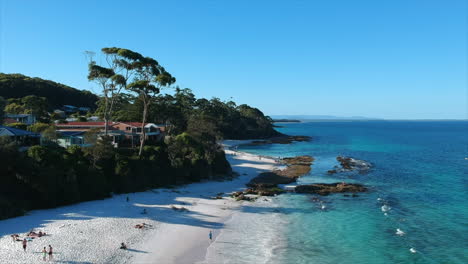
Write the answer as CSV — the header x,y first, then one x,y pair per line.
x,y
91,232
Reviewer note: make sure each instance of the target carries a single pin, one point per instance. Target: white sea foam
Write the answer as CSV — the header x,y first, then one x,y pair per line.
x,y
400,232
250,236
385,208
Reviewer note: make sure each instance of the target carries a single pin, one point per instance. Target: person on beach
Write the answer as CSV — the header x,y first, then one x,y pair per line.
x,y
50,253
210,235
44,254
25,243
128,199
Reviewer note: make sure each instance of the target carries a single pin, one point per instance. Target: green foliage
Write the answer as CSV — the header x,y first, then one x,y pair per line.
x,y
3,103
38,153
50,135
221,119
56,116
14,108
101,151
126,108
19,86
38,127
18,125
30,104
150,78
91,136
48,176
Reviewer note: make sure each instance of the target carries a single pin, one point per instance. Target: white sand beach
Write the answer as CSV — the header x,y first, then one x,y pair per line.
x,y
91,232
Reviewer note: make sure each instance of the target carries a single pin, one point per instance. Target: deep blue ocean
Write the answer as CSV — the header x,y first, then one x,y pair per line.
x,y
419,174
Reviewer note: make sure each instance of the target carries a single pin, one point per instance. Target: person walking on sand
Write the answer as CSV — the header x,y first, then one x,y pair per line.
x,y
210,235
50,253
44,254
24,244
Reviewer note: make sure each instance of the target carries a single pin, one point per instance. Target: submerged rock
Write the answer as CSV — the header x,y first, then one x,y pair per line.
x,y
326,189
350,164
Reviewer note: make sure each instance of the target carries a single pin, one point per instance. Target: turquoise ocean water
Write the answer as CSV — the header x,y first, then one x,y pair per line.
x,y
419,173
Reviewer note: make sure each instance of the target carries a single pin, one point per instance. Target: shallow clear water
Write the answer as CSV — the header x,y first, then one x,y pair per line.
x,y
419,171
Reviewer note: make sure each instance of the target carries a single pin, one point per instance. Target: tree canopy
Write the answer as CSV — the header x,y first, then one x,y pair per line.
x,y
57,94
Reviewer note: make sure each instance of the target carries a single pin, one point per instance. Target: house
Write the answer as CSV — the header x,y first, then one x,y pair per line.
x,y
74,109
8,121
70,109
60,113
27,119
124,134
133,131
22,137
69,138
84,109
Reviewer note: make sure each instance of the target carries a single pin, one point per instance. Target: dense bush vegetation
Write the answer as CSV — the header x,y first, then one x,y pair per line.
x,y
18,86
50,176
226,119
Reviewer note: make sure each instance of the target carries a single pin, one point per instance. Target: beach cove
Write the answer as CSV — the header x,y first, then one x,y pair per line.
x,y
177,223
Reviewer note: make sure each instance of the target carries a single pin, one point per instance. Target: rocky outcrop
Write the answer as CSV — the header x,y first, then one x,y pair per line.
x,y
350,164
326,189
295,167
266,183
241,196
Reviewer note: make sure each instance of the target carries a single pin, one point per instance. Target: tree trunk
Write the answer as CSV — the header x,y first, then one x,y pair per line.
x,y
143,132
106,115
105,126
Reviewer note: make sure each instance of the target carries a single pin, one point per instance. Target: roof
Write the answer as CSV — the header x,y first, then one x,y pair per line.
x,y
17,115
71,133
83,124
101,124
137,124
9,121
14,132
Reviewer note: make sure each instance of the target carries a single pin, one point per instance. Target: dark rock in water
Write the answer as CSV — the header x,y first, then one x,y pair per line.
x,y
326,189
350,164
298,160
295,167
266,183
241,196
355,195
264,190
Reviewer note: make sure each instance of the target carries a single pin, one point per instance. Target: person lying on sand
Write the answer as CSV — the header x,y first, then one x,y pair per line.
x,y
32,233
123,246
142,225
15,237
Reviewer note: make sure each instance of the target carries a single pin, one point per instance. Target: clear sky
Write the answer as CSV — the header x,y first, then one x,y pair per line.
x,y
387,59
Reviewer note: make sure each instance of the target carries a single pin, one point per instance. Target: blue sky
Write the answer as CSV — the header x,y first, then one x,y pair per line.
x,y
386,59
